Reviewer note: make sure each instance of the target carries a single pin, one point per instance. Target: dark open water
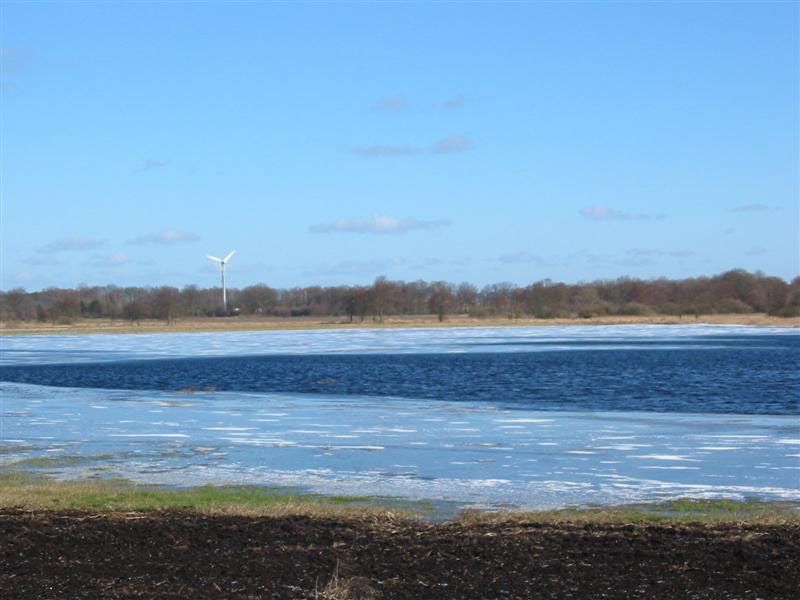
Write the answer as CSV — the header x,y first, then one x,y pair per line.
x,y
748,374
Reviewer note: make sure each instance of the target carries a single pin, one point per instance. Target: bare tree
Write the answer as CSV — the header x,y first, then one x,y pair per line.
x,y
257,299
164,303
133,311
441,300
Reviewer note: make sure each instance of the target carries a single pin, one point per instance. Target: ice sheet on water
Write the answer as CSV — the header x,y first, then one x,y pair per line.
x,y
52,349
402,447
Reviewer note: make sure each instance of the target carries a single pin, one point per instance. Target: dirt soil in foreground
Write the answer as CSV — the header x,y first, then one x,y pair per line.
x,y
188,555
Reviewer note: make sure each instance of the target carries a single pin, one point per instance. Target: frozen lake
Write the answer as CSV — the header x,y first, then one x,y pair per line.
x,y
569,416
46,349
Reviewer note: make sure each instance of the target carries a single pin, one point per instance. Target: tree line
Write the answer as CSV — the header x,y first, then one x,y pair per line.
x,y
735,291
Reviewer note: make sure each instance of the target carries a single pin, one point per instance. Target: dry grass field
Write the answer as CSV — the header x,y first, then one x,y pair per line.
x,y
210,324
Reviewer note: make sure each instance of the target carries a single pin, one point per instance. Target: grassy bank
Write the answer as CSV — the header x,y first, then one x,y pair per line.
x,y
203,324
24,491
21,490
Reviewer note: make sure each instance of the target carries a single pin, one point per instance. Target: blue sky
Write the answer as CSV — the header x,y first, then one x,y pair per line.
x,y
330,143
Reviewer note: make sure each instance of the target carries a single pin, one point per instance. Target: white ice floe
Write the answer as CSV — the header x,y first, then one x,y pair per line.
x,y
61,349
665,457
221,441
524,420
228,428
148,435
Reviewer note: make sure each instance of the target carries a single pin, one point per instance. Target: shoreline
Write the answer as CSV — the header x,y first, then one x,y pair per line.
x,y
23,489
227,324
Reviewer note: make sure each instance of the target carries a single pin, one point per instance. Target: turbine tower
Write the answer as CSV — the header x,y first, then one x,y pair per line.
x,y
222,262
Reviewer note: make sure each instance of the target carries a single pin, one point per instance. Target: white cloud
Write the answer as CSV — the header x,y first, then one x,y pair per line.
x,y
118,258
522,258
451,144
42,260
391,104
633,257
167,236
115,260
640,252
377,150
15,65
455,103
756,207
70,244
626,260
9,89
378,224
23,277
152,163
16,61
600,212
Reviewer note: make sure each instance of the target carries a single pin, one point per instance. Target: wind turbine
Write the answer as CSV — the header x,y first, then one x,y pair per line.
x,y
222,262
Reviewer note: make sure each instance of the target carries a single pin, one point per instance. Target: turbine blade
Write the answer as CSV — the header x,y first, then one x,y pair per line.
x,y
219,260
227,258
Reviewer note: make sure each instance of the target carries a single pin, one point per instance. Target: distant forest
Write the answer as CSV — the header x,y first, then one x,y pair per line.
x,y
735,291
